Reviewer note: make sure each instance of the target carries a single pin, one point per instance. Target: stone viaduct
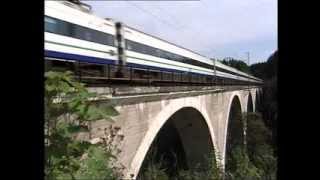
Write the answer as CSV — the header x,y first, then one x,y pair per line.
x,y
201,117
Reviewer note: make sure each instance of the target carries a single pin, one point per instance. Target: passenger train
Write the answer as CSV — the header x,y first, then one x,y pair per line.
x,y
75,37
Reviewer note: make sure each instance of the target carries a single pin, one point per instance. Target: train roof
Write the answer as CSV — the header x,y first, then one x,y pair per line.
x,y
165,41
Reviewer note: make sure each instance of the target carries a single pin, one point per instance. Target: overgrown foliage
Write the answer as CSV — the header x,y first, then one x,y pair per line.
x,y
257,160
242,168
268,71
154,169
68,113
260,147
237,64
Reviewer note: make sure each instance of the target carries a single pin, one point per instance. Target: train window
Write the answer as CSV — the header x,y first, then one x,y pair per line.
x,y
177,57
69,29
64,28
145,49
180,58
128,45
137,47
50,24
108,39
141,48
158,52
87,36
153,51
165,55
102,38
170,55
78,32
148,50
56,26
161,54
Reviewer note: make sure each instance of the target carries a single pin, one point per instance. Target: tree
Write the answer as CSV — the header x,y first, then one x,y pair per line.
x,y
237,64
242,168
266,70
68,112
260,151
269,105
257,159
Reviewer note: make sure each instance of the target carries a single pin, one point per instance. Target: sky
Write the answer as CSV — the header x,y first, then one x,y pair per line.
x,y
213,28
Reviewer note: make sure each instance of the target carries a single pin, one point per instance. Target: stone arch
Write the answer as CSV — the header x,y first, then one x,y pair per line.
x,y
158,122
235,100
250,105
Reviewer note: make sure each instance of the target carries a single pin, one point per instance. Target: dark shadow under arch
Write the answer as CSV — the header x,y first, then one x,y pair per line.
x,y
250,104
258,101
182,143
235,131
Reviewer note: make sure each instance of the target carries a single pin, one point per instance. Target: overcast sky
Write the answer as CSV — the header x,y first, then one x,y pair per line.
x,y
214,28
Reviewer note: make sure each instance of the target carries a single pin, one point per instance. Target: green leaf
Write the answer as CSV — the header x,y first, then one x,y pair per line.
x,y
77,129
93,113
111,111
64,155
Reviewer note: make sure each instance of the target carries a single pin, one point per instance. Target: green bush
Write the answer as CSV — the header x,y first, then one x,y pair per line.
x,y
243,167
256,160
65,156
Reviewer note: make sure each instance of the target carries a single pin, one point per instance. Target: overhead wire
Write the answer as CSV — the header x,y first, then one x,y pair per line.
x,y
194,33
151,14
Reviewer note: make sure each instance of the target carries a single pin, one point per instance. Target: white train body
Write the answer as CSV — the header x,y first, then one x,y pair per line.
x,y
69,48
89,38
149,60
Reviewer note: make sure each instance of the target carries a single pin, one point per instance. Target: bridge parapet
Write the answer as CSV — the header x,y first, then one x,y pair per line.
x,y
146,90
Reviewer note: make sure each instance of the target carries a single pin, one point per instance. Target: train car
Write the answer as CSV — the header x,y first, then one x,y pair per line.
x,y
75,38
73,34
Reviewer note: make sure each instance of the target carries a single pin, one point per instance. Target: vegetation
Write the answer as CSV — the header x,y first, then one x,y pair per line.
x,y
154,170
237,64
267,71
68,113
257,160
213,171
241,166
269,106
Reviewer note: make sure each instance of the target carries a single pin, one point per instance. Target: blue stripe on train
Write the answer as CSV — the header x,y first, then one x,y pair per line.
x,y
90,59
77,57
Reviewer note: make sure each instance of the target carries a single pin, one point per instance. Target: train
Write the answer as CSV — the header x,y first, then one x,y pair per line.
x,y
101,48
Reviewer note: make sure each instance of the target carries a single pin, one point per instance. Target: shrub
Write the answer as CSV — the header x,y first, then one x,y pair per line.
x,y
68,112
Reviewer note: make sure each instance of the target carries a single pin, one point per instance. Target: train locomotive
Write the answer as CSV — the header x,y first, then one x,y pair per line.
x,y
102,49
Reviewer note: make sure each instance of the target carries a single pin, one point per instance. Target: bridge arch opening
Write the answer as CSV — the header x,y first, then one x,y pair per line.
x,y
250,104
182,143
235,132
257,100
